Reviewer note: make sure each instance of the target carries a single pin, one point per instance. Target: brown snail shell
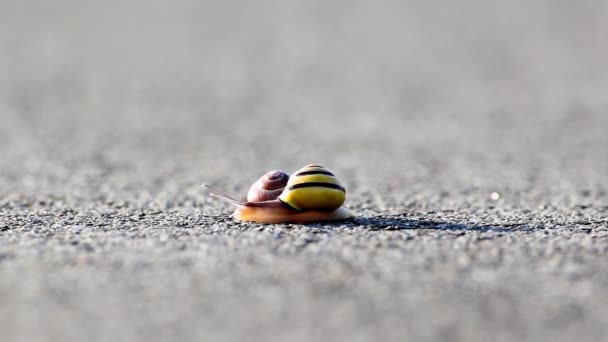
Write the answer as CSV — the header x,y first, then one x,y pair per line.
x,y
268,187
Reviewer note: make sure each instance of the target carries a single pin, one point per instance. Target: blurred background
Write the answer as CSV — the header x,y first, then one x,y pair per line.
x,y
287,82
127,106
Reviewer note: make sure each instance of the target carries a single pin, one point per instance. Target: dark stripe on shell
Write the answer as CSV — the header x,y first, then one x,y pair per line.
x,y
314,172
317,184
287,205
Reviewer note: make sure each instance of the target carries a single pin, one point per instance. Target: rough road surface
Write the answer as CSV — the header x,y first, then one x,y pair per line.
x,y
471,137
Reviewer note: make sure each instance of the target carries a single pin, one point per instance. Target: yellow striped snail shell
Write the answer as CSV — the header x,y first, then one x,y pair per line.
x,y
311,194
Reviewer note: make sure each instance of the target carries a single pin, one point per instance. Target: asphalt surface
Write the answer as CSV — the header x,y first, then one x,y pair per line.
x,y
471,139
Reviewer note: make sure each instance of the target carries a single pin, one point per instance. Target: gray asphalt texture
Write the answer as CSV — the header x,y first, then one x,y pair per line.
x,y
471,138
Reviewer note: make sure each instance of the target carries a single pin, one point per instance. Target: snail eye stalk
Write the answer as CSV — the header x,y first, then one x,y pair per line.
x,y
214,192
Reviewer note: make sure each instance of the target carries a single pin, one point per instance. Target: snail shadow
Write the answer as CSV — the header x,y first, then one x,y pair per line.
x,y
400,222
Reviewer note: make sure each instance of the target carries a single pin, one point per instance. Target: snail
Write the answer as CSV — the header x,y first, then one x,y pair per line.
x,y
311,194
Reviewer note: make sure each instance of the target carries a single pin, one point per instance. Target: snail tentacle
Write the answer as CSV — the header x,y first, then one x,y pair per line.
x,y
217,193
214,192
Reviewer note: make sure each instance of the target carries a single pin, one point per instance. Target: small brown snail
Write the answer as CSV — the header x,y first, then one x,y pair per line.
x,y
311,194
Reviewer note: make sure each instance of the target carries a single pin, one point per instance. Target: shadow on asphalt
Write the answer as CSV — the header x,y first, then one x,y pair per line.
x,y
398,222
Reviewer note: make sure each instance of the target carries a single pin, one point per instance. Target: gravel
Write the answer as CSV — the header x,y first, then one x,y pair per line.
x,y
471,138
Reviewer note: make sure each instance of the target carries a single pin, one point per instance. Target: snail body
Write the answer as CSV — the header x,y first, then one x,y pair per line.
x,y
311,194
